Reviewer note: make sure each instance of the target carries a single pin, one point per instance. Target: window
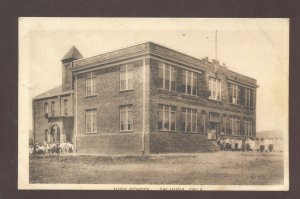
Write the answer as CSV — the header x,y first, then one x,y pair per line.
x,y
215,89
235,125
202,123
167,77
234,93
66,107
213,117
126,118
52,109
46,108
224,126
248,97
67,74
90,84
90,121
126,77
189,81
166,118
248,127
189,120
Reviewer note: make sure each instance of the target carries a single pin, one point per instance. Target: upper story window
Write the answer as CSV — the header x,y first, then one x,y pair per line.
x,y
167,77
52,108
90,84
189,120
240,95
126,118
46,108
234,94
215,88
189,82
126,77
166,118
248,97
68,74
91,121
66,107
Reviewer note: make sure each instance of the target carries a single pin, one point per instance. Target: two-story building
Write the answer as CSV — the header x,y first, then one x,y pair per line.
x,y
145,99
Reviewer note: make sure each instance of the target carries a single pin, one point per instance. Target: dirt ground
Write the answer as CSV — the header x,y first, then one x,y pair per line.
x,y
219,168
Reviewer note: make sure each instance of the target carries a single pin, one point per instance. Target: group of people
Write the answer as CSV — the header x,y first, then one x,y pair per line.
x,y
51,148
227,143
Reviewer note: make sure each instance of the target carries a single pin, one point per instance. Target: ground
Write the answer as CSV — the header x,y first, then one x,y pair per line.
x,y
218,168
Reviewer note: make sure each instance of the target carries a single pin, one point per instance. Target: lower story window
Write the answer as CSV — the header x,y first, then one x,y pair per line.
x,y
248,127
189,120
166,118
235,125
126,118
91,121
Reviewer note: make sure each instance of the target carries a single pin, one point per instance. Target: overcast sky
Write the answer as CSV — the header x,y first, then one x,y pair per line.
x,y
257,48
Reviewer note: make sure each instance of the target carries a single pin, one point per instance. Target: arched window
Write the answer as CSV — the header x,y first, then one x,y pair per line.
x,y
66,107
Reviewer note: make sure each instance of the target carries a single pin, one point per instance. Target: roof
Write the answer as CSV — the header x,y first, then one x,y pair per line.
x,y
52,92
73,53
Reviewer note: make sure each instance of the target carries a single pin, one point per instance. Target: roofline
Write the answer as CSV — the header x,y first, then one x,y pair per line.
x,y
53,95
161,45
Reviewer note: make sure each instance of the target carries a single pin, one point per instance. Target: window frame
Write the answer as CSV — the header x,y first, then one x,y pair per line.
x,y
92,85
234,121
128,108
128,68
46,108
248,127
53,108
93,112
66,110
215,87
191,112
167,109
190,75
172,72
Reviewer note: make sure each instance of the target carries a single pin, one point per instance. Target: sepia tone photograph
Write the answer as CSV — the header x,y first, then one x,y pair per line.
x,y
153,104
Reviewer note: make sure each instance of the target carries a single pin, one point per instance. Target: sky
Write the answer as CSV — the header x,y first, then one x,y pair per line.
x,y
258,48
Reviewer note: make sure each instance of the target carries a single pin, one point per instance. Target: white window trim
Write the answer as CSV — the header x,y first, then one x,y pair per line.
x,y
192,76
93,111
186,119
234,123
126,117
247,97
248,127
126,78
170,76
215,85
169,110
91,85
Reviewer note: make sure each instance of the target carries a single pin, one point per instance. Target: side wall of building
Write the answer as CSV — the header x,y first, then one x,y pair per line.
x,y
179,141
106,102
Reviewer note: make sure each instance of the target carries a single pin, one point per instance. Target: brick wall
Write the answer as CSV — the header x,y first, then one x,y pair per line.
x,y
41,123
107,101
172,141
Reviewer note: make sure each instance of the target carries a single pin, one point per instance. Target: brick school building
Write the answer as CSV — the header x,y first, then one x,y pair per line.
x,y
146,98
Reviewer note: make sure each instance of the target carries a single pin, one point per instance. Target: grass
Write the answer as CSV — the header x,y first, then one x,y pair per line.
x,y
220,168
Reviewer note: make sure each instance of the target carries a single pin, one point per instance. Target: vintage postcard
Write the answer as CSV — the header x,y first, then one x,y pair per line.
x,y
153,104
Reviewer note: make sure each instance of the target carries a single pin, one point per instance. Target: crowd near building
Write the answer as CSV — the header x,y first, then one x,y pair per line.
x,y
146,98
